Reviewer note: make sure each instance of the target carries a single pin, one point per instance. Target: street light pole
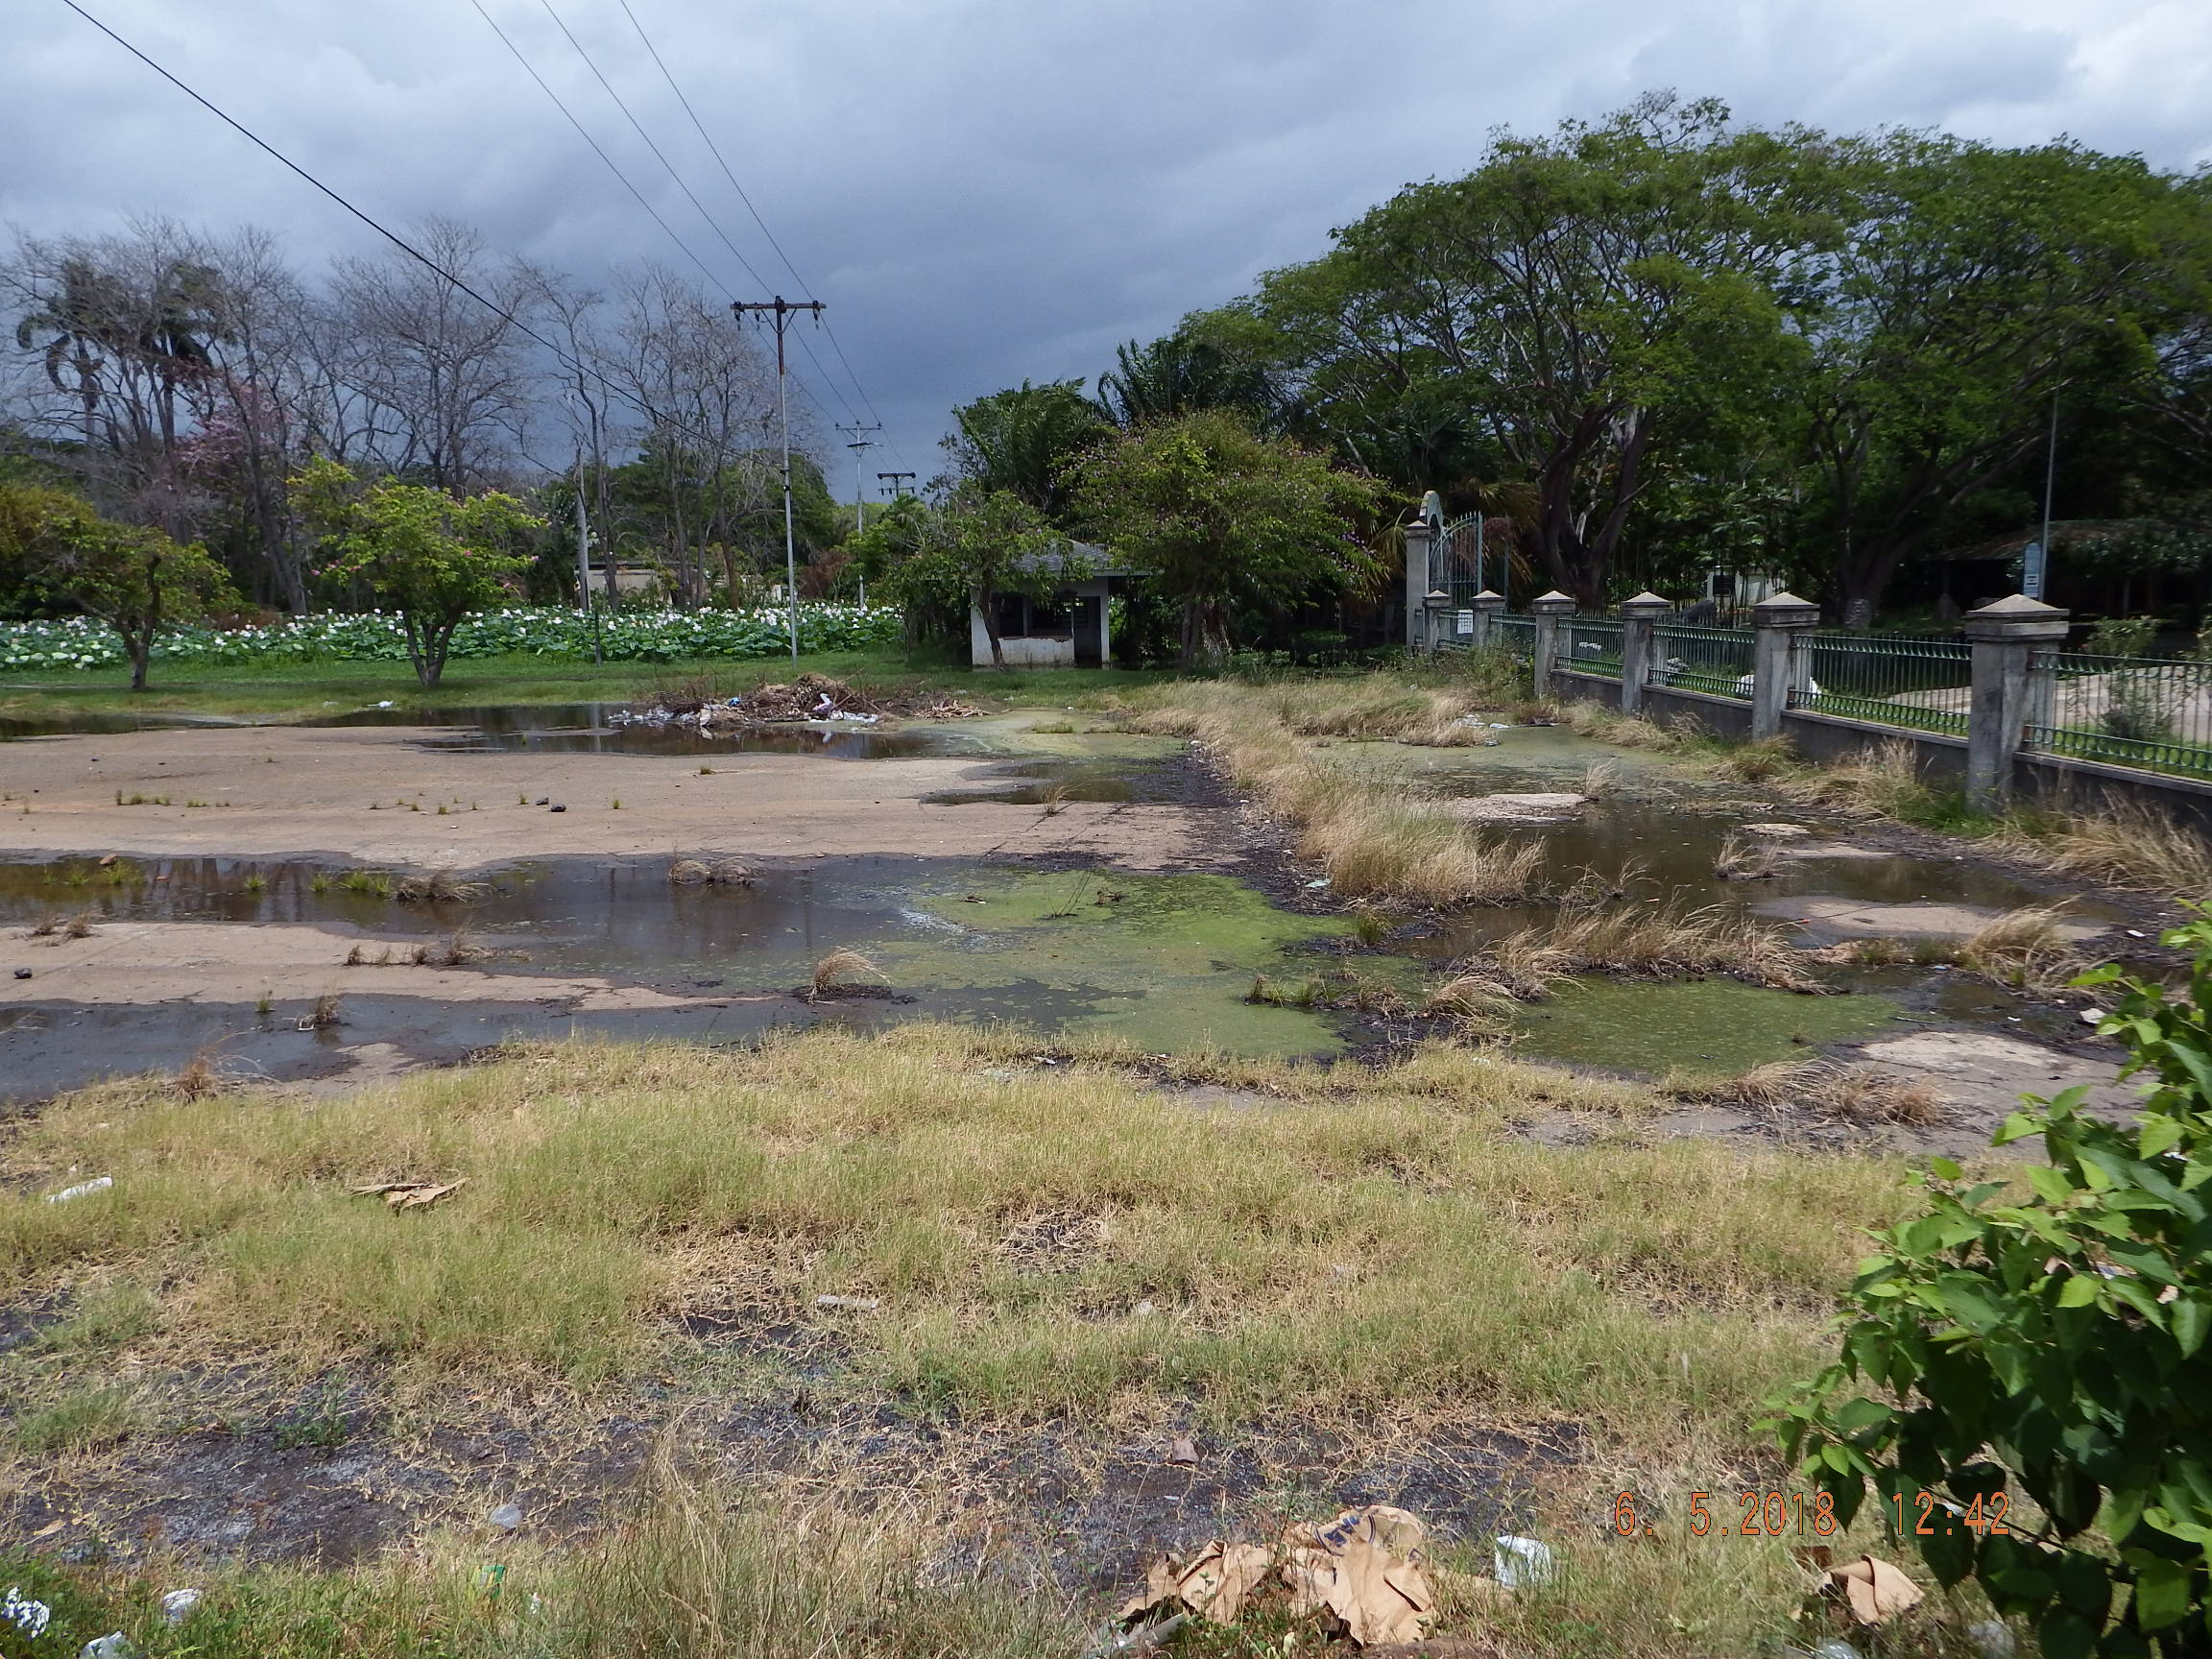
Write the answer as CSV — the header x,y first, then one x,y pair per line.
x,y
782,311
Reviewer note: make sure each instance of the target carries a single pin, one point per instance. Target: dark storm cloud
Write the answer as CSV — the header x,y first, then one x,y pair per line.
x,y
981,189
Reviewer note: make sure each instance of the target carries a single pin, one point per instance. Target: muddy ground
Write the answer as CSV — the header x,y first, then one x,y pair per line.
x,y
326,1474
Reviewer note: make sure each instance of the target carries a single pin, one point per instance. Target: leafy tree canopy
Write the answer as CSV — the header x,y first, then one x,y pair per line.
x,y
136,579
429,556
1219,519
1022,441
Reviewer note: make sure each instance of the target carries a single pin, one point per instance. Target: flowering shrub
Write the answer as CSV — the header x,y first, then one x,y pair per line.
x,y
539,631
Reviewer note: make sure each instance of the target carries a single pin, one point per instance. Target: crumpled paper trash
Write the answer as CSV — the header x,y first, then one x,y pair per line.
x,y
1362,1568
28,1616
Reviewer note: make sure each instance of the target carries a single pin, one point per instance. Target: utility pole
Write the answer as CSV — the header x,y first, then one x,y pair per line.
x,y
783,310
2035,572
859,446
584,560
892,479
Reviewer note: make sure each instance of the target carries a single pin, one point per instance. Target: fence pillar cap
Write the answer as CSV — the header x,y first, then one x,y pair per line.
x,y
1646,604
1436,599
1554,603
1785,610
2018,618
1420,527
1488,600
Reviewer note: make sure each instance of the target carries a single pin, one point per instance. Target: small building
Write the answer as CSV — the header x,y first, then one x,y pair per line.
x,y
1067,631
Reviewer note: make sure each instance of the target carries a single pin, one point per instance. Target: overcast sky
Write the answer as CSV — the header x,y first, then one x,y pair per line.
x,y
984,190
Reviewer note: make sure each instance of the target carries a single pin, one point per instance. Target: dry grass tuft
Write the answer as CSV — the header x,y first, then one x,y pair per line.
x,y
839,966
1881,780
1375,840
700,873
1825,1090
1746,859
2130,845
325,1012
439,887
2024,950
1603,725
1758,763
1658,941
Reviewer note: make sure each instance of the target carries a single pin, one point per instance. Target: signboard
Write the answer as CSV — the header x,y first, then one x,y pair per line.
x,y
2031,570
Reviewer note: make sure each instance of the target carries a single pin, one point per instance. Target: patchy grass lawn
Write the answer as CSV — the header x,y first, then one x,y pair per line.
x,y
1082,1248
292,691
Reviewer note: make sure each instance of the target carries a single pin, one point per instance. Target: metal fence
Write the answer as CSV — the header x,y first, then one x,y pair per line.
x,y
1590,645
1715,661
2154,712
1514,634
1923,683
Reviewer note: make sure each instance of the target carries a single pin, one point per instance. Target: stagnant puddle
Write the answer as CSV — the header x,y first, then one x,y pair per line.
x,y
1166,961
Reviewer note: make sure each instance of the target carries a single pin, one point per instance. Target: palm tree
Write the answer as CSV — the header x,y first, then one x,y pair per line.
x,y
79,321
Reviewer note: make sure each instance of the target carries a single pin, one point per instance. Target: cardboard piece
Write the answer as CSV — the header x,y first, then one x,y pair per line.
x,y
1362,1568
410,1195
1876,1590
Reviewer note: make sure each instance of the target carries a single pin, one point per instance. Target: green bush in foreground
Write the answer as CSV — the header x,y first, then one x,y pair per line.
x,y
2052,1349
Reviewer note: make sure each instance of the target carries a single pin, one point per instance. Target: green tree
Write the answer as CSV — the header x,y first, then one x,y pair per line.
x,y
1218,517
432,558
1972,283
136,579
1192,369
1023,440
2050,1345
1572,308
974,544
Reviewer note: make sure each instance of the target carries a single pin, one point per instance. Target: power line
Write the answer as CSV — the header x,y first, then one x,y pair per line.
x,y
666,165
715,150
584,133
574,364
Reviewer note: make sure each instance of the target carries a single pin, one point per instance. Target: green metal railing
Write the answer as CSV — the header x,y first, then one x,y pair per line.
x,y
2152,713
1715,661
1920,683
1589,646
1514,634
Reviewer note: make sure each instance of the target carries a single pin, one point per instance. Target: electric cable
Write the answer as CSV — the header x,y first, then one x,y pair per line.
x,y
575,365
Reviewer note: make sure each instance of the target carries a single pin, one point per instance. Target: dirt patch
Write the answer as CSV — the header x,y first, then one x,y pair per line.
x,y
1850,919
1984,1075
373,794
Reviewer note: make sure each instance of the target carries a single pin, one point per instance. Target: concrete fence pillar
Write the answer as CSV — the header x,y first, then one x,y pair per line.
x,y
1777,668
1638,617
1417,583
1548,610
2007,640
1485,605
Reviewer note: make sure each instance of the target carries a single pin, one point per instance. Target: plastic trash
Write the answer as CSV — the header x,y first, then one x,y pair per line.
x,y
82,1188
2092,1016
176,1606
491,1578
112,1646
1323,882
1832,1648
386,704
26,1615
864,1303
507,1517
22,973
734,702
1518,1563
1993,1639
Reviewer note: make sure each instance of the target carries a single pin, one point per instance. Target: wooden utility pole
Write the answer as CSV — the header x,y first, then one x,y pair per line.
x,y
782,311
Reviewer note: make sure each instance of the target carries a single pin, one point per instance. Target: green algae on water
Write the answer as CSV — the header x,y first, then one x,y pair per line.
x,y
1701,1028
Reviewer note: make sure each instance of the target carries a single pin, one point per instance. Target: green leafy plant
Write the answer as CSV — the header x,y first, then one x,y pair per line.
x,y
431,557
2050,1345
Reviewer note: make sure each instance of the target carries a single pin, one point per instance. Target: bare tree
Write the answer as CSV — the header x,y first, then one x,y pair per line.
x,y
448,375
